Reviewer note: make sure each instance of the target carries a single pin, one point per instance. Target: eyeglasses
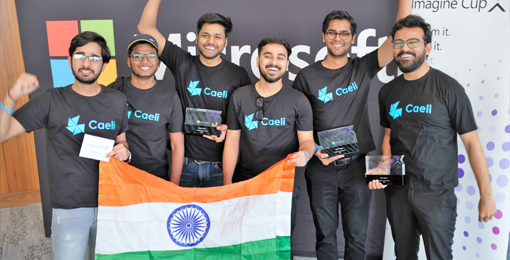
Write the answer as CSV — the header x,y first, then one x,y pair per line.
x,y
138,57
82,57
259,114
411,43
332,34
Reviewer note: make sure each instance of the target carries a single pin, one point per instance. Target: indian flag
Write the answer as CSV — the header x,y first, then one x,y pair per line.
x,y
141,216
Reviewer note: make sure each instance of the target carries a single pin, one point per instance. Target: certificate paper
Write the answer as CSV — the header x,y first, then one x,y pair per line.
x,y
95,147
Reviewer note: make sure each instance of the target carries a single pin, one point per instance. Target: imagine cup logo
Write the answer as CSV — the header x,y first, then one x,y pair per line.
x,y
60,34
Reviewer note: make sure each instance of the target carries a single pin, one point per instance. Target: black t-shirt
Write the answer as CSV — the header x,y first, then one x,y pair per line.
x,y
338,96
67,116
152,113
265,142
200,86
424,116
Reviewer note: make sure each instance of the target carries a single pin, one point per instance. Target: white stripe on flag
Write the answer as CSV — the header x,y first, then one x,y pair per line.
x,y
143,227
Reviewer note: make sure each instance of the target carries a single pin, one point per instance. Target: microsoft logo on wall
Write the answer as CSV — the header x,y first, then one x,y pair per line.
x,y
60,34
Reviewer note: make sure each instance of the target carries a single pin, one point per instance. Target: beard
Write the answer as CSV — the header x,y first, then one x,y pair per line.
x,y
268,78
210,57
85,81
415,64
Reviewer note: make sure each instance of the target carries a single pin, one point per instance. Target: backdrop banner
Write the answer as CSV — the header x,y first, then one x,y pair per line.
x,y
470,39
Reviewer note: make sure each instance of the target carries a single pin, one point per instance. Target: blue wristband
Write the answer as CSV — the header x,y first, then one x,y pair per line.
x,y
317,147
307,156
6,110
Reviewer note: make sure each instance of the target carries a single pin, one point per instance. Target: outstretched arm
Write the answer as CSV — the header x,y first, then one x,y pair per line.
x,y
177,144
306,148
230,155
487,204
148,21
385,53
9,126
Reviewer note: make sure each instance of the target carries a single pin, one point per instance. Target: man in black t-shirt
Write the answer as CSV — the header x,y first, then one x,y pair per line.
x,y
204,81
337,88
267,122
154,112
422,112
68,114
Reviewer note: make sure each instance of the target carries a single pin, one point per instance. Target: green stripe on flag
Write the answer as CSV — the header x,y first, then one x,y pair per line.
x,y
269,249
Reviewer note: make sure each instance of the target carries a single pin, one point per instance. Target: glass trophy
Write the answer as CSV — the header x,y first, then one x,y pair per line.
x,y
386,169
199,121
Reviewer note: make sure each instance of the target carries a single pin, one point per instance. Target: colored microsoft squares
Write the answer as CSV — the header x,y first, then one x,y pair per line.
x,y
60,34
104,28
109,74
61,73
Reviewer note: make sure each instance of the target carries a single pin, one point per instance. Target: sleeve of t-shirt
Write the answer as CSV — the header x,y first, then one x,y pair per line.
x,y
124,122
34,114
383,120
305,114
245,78
176,117
232,122
370,63
299,83
459,109
173,56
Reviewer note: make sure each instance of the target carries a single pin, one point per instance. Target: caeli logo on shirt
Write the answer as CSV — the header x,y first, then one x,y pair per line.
x,y
396,112
75,128
194,91
325,97
249,123
192,88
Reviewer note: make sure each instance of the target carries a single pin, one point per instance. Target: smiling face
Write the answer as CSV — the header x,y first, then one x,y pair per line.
x,y
146,67
86,71
211,40
410,58
338,45
273,62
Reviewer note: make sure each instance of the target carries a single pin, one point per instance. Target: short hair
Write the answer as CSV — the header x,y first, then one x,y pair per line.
x,y
213,18
276,40
340,15
86,37
413,21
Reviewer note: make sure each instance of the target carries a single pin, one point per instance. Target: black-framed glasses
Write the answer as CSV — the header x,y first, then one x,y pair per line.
x,y
411,43
82,57
343,34
138,57
259,114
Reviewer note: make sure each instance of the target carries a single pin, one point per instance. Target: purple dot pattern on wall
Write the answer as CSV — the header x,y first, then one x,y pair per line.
x,y
506,146
467,219
494,246
494,112
470,190
495,230
479,240
504,163
466,234
499,214
490,146
458,188
490,162
481,225
502,180
460,173
496,95
461,158
507,129
469,205
464,248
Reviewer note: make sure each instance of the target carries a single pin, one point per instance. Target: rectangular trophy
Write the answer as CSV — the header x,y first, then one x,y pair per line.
x,y
199,121
341,140
377,169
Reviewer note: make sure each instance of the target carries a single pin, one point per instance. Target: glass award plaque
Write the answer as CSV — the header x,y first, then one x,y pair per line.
x,y
386,169
199,121
341,140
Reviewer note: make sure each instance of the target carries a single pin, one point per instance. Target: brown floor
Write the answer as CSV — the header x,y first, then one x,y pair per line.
x,y
19,199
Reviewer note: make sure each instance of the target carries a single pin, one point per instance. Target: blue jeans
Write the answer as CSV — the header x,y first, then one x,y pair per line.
x,y
72,230
201,174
